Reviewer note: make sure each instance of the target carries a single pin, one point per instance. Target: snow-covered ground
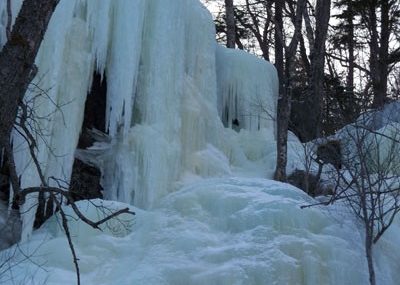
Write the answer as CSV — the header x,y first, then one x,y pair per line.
x,y
216,231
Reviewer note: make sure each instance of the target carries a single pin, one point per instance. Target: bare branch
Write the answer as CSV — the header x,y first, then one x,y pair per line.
x,y
9,20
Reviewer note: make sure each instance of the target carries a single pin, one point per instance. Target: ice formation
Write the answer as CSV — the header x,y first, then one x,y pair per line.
x,y
225,231
174,99
245,100
162,113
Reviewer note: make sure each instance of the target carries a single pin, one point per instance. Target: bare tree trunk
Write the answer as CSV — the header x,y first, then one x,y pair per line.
x,y
17,70
367,216
283,115
350,46
316,80
374,52
304,57
17,59
230,24
279,45
368,252
379,52
18,55
9,20
280,172
381,92
282,133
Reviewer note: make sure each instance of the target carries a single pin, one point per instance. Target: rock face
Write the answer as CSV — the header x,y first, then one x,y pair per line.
x,y
85,181
85,178
310,183
4,188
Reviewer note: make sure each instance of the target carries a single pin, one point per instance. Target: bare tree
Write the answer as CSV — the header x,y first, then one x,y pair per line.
x,y
369,182
17,69
380,57
284,101
230,24
371,37
317,66
17,57
256,18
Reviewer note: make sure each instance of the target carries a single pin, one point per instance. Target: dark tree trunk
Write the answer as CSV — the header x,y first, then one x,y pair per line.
x,y
230,24
9,20
283,113
379,51
279,43
316,80
350,46
368,252
17,70
368,215
304,57
17,59
280,172
374,52
381,91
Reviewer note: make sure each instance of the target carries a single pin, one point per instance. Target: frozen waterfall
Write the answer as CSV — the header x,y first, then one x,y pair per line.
x,y
188,123
163,71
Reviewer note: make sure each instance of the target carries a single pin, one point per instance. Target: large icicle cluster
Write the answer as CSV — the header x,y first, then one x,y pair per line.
x,y
162,64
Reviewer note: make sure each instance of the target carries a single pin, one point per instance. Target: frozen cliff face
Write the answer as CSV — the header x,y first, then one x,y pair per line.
x,y
168,86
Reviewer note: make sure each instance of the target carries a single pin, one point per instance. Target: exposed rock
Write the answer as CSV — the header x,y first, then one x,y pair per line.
x,y
85,178
309,183
4,188
85,181
330,152
4,181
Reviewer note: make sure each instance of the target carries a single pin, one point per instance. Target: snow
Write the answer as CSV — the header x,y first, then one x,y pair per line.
x,y
204,215
217,231
377,135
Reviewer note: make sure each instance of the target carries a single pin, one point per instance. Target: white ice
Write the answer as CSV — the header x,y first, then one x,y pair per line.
x,y
165,77
218,231
172,96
